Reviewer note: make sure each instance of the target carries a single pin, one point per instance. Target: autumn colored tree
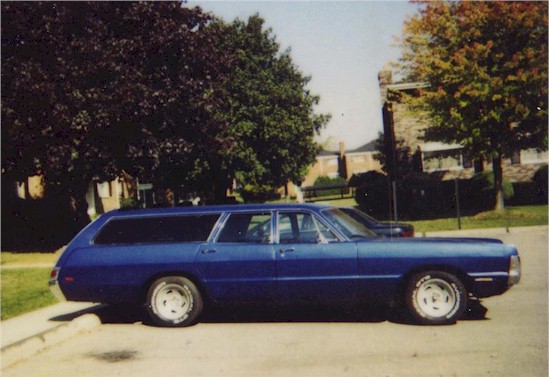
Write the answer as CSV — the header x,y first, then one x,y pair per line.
x,y
269,110
485,64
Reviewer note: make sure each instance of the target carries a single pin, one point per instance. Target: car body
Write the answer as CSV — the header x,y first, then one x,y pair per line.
x,y
175,260
386,229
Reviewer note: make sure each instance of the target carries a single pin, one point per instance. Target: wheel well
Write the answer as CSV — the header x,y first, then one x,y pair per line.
x,y
458,273
191,277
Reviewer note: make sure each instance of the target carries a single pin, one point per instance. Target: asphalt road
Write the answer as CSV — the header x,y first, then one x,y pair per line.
x,y
511,340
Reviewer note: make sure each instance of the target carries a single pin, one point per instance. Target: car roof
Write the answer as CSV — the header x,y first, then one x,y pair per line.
x,y
214,209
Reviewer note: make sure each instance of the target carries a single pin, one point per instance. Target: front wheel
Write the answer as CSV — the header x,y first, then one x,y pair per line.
x,y
436,298
174,301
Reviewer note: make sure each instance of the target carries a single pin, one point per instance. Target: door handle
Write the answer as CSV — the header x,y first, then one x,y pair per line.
x,y
208,251
290,250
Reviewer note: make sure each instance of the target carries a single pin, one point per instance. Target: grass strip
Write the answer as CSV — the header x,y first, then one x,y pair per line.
x,y
24,290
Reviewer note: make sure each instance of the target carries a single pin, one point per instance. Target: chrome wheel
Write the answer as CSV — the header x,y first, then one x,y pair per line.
x,y
436,298
174,301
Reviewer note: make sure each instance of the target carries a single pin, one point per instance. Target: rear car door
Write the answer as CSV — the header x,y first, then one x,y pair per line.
x,y
239,264
313,263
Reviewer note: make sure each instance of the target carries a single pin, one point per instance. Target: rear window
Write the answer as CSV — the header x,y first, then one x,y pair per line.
x,y
158,229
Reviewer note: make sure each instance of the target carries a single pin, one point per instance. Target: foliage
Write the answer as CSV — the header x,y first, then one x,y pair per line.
x,y
540,179
485,64
94,89
481,193
420,196
258,193
129,203
406,162
268,108
324,180
153,90
373,194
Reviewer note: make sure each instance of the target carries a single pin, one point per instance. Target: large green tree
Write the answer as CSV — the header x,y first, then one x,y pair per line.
x,y
97,89
485,64
269,109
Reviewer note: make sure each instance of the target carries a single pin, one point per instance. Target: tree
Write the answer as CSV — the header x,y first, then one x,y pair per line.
x,y
485,64
94,90
269,110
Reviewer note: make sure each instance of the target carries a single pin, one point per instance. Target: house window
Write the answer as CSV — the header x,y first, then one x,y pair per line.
x,y
532,156
331,162
359,159
442,160
104,190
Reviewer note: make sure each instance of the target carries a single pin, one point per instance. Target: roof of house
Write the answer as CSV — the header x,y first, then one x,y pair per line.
x,y
368,147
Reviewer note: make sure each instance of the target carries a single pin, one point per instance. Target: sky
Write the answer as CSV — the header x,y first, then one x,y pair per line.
x,y
342,45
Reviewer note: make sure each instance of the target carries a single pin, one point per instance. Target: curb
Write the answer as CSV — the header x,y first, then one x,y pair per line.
x,y
26,348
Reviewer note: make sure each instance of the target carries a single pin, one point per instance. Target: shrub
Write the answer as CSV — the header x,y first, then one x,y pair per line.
x,y
324,180
420,196
540,179
258,193
481,194
129,203
373,194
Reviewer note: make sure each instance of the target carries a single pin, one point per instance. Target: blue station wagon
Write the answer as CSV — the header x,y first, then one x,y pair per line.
x,y
175,260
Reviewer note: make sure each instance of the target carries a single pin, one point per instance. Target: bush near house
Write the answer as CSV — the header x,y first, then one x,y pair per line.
x,y
323,181
425,196
39,224
258,193
372,193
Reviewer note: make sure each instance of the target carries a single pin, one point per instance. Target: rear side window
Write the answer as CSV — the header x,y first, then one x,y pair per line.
x,y
248,228
157,229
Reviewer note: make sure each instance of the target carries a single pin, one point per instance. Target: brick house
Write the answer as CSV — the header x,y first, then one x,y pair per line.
x,y
342,163
447,160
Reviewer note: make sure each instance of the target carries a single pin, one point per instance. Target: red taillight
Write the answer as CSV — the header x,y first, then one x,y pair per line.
x,y
408,233
54,274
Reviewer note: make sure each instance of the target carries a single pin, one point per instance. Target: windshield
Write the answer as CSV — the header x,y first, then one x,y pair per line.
x,y
347,225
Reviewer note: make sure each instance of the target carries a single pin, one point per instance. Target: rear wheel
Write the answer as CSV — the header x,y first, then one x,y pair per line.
x,y
174,301
436,298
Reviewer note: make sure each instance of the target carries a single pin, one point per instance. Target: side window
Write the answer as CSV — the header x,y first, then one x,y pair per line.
x,y
302,227
157,229
247,227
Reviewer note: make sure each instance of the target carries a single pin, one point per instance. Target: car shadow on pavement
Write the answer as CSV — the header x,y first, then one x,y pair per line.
x,y
130,314
293,313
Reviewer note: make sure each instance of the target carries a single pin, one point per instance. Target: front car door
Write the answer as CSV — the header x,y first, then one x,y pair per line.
x,y
313,263
239,264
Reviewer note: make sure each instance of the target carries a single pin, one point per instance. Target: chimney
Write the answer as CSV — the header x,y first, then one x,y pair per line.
x,y
341,149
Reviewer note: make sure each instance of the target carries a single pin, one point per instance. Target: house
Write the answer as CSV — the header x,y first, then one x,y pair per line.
x,y
448,160
101,196
342,163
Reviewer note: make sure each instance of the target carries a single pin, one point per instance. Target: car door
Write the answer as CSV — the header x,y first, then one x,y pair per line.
x,y
313,264
239,264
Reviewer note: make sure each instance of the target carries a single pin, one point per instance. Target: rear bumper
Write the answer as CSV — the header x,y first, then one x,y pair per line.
x,y
56,290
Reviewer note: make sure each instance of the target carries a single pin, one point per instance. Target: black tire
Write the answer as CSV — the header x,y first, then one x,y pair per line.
x,y
436,298
174,301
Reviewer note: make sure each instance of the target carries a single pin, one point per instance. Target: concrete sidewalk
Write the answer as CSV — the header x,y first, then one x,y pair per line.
x,y
25,335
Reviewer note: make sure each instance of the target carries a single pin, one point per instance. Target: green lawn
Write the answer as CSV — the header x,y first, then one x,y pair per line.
x,y
24,290
511,217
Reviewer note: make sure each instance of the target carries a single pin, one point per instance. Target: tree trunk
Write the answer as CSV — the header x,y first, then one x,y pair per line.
x,y
498,183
